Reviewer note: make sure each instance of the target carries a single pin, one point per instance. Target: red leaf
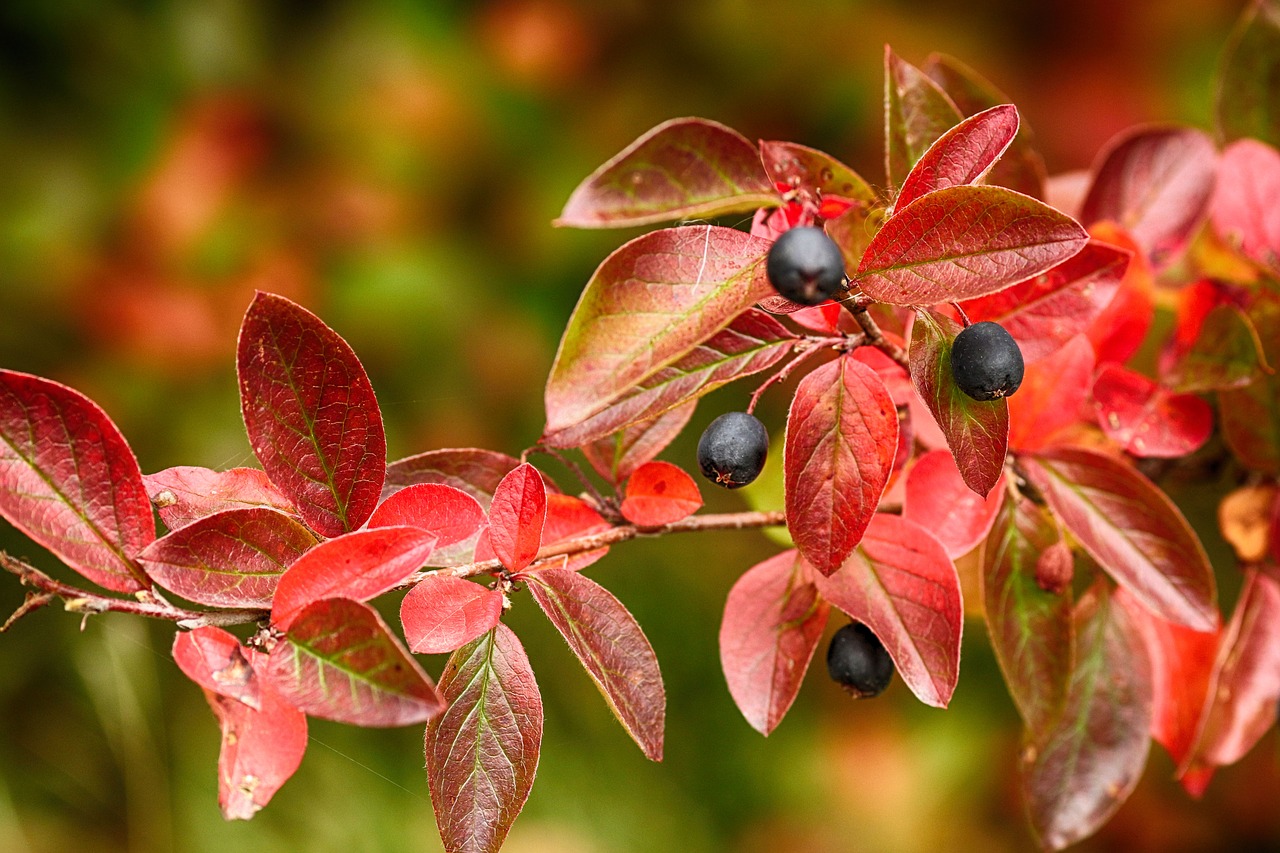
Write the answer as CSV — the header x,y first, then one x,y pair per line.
x,y
842,434
214,659
69,481
1045,312
773,620
1245,103
450,514
650,303
359,565
902,585
1030,628
260,750
939,501
1085,767
570,518
977,431
476,472
1225,352
311,414
617,456
517,516
1118,331
482,753
339,662
660,493
1156,184
184,494
1243,207
916,112
1053,392
963,155
814,175
685,168
753,342
442,613
615,652
1132,529
1146,419
232,558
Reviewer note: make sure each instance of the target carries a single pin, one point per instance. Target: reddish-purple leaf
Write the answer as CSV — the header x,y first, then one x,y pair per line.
x,y
964,242
1052,397
773,620
482,753
815,175
616,456
338,661
214,659
1225,353
1251,423
1247,104
938,499
685,168
517,516
441,613
977,431
614,651
359,565
261,748
311,414
1243,207
1132,529
842,434
1044,312
1030,628
1156,183
1087,764
962,155
659,493
649,304
69,481
753,342
232,558
916,113
901,584
1146,419
452,515
476,472
186,493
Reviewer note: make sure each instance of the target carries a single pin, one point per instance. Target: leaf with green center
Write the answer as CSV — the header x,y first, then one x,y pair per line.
x,y
685,168
1248,99
1226,353
482,753
187,493
916,113
963,155
615,456
339,662
311,414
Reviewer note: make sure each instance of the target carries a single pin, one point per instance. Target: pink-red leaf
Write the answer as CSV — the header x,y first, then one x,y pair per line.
x,y
842,434
1117,332
215,660
1052,397
814,175
1132,529
441,613
977,431
450,514
964,242
616,456
69,481
338,661
902,585
1246,103
232,558
659,493
773,620
606,638
482,753
311,414
473,470
962,155
517,516
938,499
570,518
1243,207
1085,767
649,304
916,112
186,493
1156,183
1145,418
359,565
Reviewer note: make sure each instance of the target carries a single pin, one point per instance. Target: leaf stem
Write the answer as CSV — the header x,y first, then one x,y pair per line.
x,y
875,337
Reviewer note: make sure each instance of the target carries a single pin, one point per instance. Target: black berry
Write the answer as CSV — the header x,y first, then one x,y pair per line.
x,y
857,661
805,265
986,363
732,449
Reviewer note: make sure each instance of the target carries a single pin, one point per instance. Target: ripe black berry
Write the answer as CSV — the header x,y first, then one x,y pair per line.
x,y
805,265
986,363
857,661
732,449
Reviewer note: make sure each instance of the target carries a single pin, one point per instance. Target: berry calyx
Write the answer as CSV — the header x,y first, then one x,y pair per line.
x,y
858,662
732,449
805,265
986,363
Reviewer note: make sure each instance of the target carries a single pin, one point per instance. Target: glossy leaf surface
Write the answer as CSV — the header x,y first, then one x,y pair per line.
x,y
1145,418
962,155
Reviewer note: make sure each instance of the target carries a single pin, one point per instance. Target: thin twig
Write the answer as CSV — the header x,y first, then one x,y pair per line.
x,y
602,503
804,350
875,337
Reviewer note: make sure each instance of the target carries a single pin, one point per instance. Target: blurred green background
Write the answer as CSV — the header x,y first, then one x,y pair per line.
x,y
395,166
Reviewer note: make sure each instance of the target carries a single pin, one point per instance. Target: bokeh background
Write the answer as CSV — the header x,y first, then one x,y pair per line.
x,y
395,166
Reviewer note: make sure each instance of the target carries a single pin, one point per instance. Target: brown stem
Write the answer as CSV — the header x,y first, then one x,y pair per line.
x,y
603,504
806,349
875,337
